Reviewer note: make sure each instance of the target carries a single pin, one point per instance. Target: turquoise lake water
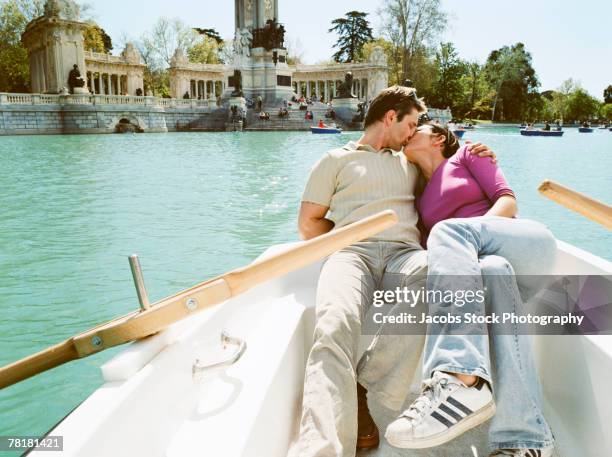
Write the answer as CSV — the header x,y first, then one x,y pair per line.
x,y
192,205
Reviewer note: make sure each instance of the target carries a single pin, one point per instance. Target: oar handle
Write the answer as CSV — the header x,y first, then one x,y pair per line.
x,y
137,325
37,363
582,204
308,252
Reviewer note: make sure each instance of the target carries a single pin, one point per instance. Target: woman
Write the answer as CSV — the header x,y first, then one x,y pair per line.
x,y
468,213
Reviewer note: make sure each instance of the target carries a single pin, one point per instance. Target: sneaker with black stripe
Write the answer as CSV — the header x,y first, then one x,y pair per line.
x,y
547,452
445,409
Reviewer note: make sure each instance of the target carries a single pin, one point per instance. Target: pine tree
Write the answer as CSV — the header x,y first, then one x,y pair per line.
x,y
354,31
210,33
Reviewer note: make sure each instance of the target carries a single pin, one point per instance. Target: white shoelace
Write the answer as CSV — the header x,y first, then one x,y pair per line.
x,y
431,389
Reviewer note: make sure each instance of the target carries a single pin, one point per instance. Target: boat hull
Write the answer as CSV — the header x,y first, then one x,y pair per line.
x,y
324,131
541,133
151,406
459,133
585,130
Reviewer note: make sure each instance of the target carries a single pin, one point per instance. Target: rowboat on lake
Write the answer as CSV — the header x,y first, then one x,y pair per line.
x,y
585,129
526,132
325,130
228,380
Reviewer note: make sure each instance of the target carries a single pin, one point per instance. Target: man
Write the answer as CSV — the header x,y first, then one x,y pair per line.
x,y
346,185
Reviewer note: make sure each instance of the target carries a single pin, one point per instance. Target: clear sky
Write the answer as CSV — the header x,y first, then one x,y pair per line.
x,y
566,38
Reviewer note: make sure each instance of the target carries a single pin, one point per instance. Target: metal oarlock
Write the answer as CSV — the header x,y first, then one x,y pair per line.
x,y
141,291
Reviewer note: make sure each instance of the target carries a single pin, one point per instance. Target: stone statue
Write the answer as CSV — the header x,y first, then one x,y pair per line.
x,y
360,116
179,59
242,47
131,54
346,88
74,78
62,9
237,84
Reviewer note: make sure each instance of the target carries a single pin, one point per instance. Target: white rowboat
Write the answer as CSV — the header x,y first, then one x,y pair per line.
x,y
152,405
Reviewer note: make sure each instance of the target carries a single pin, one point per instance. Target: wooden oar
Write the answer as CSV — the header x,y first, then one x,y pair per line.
x,y
593,209
139,324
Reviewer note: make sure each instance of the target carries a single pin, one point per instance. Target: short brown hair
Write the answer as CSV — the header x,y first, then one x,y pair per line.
x,y
399,98
451,142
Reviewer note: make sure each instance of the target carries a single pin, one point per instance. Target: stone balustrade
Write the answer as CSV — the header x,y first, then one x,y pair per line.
x,y
101,57
78,99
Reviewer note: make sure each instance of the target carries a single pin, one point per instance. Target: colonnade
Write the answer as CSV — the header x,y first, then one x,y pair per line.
x,y
107,83
328,88
204,89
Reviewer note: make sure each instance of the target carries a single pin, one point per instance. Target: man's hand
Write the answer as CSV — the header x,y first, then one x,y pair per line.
x,y
482,150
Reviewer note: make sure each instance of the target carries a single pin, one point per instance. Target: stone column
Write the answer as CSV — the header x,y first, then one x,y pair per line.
x,y
326,90
100,84
308,89
206,90
318,90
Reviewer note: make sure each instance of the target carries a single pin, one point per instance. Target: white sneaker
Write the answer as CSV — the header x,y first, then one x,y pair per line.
x,y
446,409
548,452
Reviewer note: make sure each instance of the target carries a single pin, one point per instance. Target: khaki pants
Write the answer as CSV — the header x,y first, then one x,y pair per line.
x,y
344,294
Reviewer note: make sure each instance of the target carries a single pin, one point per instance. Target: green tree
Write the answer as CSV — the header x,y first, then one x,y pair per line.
x,y
411,26
206,50
473,80
210,33
96,39
510,74
608,94
354,32
581,106
14,65
606,111
157,48
447,89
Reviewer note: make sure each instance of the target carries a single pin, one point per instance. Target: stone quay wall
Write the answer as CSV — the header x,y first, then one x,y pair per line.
x,y
39,114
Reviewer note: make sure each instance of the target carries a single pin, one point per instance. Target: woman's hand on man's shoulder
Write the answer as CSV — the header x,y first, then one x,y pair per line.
x,y
481,150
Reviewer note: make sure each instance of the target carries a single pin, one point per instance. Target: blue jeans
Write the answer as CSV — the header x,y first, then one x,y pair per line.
x,y
505,247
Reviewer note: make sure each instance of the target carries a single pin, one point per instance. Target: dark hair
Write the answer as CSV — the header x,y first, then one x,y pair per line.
x,y
402,99
451,143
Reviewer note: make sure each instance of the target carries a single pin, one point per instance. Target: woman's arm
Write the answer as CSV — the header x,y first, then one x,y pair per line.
x,y
505,206
493,183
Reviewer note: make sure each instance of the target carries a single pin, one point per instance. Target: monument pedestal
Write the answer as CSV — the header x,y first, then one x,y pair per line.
x,y
261,76
239,102
237,115
80,91
346,103
346,108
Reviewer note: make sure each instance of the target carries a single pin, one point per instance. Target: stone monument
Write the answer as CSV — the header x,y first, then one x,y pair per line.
x,y
346,103
259,51
55,47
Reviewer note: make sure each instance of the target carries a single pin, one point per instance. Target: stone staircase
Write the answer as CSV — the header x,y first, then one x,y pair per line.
x,y
294,121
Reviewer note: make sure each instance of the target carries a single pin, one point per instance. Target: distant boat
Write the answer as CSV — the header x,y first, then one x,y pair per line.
x,y
459,133
585,129
526,132
324,130
468,127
